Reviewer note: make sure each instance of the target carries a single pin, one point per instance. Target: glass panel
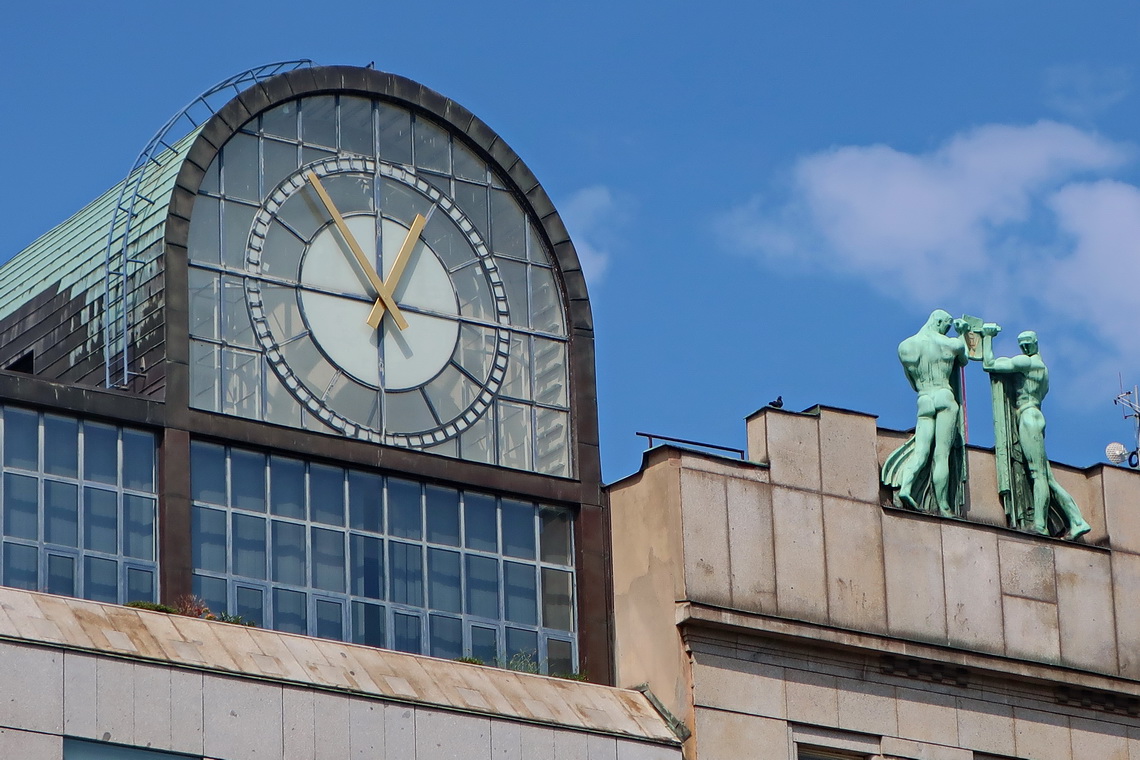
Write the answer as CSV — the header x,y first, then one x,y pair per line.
x,y
328,559
280,406
518,529
514,435
281,121
557,599
545,302
406,633
21,566
446,637
560,657
100,580
472,199
367,566
247,480
212,591
554,535
318,120
467,164
61,446
61,575
303,213
237,330
474,292
100,520
508,230
351,193
368,624
21,439
550,372
248,549
395,134
240,165
21,506
356,133
517,382
281,257
522,649
451,393
140,585
482,586
138,460
485,644
289,547
138,526
406,573
443,515
204,243
203,304
287,487
204,376
330,620
241,372
280,162
402,203
208,472
521,593
444,580
208,539
365,501
432,147
514,280
477,443
249,604
309,155
307,361
237,221
100,453
61,513
552,447
404,508
289,611
407,413
480,522
326,494
536,249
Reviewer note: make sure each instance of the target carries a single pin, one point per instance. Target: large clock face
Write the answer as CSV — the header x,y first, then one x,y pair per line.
x,y
357,269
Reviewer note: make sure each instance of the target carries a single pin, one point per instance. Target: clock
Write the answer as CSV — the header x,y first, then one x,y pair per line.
x,y
336,331
358,269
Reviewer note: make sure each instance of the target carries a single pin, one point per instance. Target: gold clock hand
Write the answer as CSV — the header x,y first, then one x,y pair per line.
x,y
384,296
398,266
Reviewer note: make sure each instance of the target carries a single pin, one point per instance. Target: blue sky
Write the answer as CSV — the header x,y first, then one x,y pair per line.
x,y
769,196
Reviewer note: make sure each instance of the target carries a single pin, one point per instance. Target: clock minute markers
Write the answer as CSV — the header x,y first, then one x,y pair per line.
x,y
384,296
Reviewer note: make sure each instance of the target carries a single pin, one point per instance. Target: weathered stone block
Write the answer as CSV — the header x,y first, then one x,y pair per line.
x,y
1031,630
801,585
753,562
1027,569
847,455
973,595
856,587
1085,608
704,525
915,588
793,449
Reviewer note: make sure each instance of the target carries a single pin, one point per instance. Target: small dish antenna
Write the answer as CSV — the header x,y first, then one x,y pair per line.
x,y
1116,452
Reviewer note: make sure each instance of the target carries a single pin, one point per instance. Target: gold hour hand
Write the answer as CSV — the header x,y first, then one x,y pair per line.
x,y
383,294
398,266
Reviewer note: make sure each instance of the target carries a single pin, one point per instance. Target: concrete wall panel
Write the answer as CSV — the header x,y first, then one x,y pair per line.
x,y
848,467
750,545
705,531
242,719
812,698
1098,739
915,587
741,685
1085,607
451,736
856,588
928,716
1042,735
793,450
732,736
26,745
1027,569
1031,630
32,694
797,520
79,694
973,596
1126,598
867,706
986,726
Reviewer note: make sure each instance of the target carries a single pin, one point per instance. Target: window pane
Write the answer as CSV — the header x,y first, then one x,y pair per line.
x,y
521,593
330,620
289,613
406,572
247,476
443,570
560,657
518,529
367,566
140,585
100,453
21,566
100,580
557,599
356,134
138,460
287,484
100,520
248,546
208,539
212,591
328,559
404,508
326,494
21,439
61,575
482,586
365,501
249,604
480,522
395,134
554,535
406,633
485,644
443,515
61,513
522,648
446,637
318,120
208,472
289,553
61,446
21,506
138,526
368,624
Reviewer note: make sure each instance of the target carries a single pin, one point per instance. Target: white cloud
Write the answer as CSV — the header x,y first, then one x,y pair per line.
x,y
1018,222
1081,91
592,216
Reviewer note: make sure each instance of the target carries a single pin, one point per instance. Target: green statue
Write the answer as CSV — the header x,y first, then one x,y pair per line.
x,y
1028,490
929,470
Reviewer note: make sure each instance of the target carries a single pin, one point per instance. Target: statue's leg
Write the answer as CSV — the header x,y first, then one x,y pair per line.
x,y
1077,524
923,439
945,425
1031,431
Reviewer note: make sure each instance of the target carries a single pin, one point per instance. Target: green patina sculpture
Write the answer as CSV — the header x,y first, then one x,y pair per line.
x,y
1032,498
929,470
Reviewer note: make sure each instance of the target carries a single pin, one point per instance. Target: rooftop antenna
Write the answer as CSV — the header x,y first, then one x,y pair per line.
x,y
1117,453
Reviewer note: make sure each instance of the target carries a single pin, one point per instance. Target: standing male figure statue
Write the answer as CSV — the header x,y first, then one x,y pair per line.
x,y
1028,382
929,470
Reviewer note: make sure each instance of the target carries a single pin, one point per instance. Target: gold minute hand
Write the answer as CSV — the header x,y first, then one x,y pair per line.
x,y
382,292
398,266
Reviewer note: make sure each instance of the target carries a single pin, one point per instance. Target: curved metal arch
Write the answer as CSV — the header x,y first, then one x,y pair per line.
x,y
118,263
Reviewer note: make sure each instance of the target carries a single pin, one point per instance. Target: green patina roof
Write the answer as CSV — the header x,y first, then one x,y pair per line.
x,y
73,254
